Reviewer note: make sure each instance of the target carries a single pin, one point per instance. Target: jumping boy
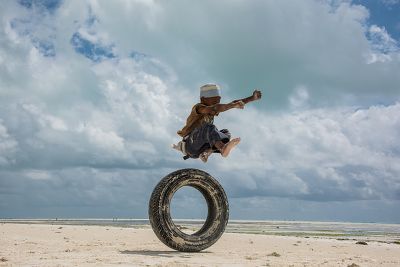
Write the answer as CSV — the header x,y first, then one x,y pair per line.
x,y
200,136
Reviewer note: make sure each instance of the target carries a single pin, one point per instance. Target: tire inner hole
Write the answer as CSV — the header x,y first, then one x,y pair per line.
x,y
188,209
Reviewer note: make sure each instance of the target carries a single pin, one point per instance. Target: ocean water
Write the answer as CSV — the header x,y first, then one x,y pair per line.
x,y
337,230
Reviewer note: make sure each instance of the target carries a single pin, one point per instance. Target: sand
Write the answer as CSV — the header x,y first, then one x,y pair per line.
x,y
77,245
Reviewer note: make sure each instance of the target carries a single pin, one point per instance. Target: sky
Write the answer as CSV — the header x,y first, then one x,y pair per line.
x,y
93,92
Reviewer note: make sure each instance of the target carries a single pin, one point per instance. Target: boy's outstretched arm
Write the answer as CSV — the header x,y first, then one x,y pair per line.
x,y
217,108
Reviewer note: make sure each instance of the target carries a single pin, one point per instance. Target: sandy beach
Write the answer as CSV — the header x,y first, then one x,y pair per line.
x,y
81,245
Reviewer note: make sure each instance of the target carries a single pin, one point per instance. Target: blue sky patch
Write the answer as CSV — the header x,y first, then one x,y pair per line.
x,y
381,41
49,5
94,52
23,27
384,13
46,48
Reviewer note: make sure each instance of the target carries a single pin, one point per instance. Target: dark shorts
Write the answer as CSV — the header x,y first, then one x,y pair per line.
x,y
205,137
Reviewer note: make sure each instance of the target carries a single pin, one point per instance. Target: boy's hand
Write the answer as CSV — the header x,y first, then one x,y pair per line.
x,y
256,95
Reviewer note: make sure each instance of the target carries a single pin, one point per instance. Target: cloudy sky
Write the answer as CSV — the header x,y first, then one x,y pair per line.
x,y
93,92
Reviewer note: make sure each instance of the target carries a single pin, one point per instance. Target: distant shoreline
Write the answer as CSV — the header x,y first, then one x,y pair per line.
x,y
379,232
230,220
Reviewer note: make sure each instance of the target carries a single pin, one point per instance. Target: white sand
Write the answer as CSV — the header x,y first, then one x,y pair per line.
x,y
67,245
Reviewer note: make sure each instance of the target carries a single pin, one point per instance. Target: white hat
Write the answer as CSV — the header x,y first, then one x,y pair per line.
x,y
210,90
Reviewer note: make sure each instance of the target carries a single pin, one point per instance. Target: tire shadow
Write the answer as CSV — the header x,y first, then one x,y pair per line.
x,y
162,253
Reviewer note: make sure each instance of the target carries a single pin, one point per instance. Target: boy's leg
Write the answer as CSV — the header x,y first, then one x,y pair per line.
x,y
198,140
204,155
226,137
222,141
225,149
207,136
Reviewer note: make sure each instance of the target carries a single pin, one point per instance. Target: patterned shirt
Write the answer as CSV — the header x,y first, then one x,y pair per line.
x,y
195,120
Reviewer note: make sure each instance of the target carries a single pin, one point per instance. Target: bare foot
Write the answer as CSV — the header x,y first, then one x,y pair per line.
x,y
228,146
204,156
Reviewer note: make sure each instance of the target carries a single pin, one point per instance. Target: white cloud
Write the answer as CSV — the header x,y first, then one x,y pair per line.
x,y
384,47
390,2
316,154
377,57
115,110
38,175
109,141
8,146
299,97
45,120
318,43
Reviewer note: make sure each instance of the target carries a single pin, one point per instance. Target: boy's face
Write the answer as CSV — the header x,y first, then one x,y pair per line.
x,y
209,101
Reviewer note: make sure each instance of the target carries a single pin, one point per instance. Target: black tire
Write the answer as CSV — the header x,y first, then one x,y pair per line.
x,y
160,217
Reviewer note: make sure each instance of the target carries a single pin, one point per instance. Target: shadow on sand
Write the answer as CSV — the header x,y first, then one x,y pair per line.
x,y
161,253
